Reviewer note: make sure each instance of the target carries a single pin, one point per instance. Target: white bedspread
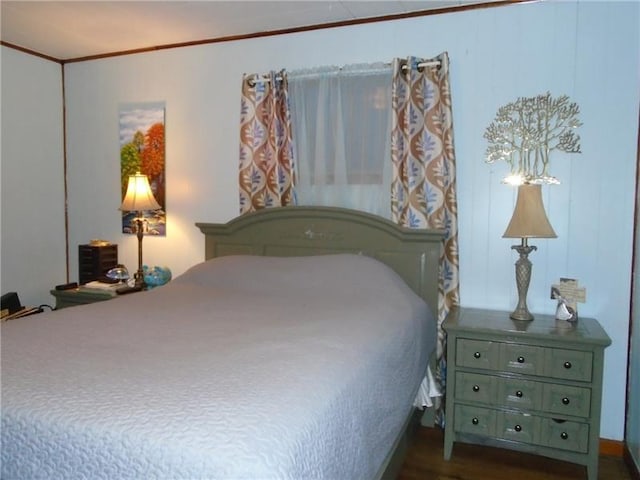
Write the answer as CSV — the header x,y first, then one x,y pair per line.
x,y
242,368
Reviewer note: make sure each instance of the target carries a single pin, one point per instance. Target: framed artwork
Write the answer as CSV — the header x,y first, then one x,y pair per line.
x,y
142,149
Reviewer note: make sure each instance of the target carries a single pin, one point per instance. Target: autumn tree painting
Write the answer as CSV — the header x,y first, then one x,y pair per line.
x,y
152,157
142,149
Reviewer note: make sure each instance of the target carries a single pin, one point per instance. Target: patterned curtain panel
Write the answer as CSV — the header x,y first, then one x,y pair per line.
x,y
423,189
266,156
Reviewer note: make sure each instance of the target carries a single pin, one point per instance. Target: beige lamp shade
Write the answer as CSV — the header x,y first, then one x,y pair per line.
x,y
529,218
139,196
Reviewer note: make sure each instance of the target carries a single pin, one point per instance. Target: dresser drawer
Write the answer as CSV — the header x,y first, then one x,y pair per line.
x,y
567,435
518,427
568,364
567,400
474,387
477,354
525,359
522,394
477,420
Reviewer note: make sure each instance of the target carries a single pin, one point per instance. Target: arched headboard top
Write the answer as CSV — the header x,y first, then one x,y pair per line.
x,y
295,231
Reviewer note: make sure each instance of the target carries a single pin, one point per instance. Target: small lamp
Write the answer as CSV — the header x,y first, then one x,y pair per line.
x,y
529,221
139,198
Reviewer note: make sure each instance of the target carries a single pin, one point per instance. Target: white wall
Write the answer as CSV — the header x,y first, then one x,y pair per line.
x,y
33,234
587,50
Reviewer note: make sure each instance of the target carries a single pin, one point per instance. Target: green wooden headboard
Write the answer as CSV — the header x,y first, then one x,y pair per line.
x,y
295,231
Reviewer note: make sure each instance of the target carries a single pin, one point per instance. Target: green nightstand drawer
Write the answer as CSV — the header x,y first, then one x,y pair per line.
x,y
518,427
474,387
572,436
477,354
525,359
567,400
480,421
569,364
522,394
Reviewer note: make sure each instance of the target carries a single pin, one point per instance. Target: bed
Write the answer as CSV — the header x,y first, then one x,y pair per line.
x,y
297,350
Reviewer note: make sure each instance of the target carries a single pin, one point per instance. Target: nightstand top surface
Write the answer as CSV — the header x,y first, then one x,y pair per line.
x,y
585,330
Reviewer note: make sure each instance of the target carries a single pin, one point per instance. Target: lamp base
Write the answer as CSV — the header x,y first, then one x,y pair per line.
x,y
127,289
139,284
521,314
523,277
139,275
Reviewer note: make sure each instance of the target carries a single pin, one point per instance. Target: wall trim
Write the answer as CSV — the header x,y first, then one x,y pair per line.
x,y
284,31
64,172
612,448
633,328
30,52
631,465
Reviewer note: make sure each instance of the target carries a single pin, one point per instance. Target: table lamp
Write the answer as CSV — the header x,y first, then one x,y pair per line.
x,y
529,221
139,198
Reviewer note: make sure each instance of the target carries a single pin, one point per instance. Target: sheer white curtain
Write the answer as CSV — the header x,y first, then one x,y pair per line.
x,y
341,123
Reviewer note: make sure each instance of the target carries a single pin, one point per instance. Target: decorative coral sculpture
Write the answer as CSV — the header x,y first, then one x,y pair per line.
x,y
526,131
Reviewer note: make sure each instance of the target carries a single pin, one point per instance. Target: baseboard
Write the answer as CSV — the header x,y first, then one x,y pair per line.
x,y
614,448
631,464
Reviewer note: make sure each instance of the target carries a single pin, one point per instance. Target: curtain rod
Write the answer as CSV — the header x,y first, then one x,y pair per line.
x,y
432,63
255,78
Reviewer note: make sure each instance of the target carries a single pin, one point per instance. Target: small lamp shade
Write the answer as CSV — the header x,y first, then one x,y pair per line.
x,y
529,219
139,196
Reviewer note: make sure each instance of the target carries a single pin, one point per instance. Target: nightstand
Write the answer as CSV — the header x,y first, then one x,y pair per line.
x,y
534,386
77,296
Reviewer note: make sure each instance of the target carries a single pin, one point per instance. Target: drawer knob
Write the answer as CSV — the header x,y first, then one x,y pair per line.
x,y
519,394
477,355
567,365
475,420
564,435
476,388
520,359
565,401
517,428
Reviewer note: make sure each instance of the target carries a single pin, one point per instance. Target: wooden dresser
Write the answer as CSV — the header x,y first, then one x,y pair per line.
x,y
531,386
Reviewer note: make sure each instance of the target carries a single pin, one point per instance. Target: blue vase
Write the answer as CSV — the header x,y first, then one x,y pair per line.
x,y
156,276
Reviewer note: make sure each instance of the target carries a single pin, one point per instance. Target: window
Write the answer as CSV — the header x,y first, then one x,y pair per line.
x,y
341,121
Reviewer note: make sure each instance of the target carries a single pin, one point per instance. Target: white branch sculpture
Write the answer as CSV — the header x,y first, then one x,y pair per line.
x,y
526,131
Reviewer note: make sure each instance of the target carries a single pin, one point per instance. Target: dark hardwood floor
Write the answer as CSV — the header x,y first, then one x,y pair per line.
x,y
424,461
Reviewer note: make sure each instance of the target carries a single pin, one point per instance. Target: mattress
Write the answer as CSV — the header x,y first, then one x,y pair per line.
x,y
241,368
